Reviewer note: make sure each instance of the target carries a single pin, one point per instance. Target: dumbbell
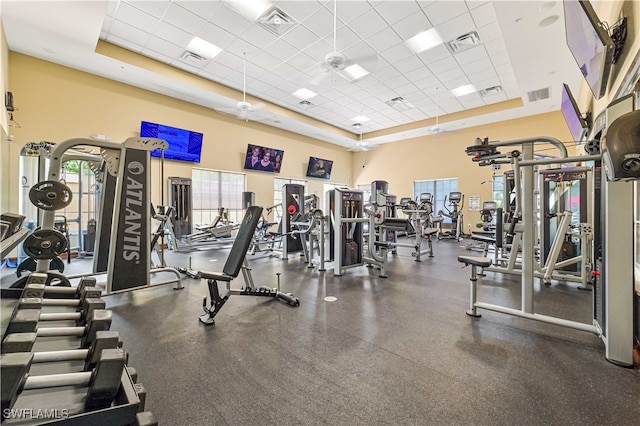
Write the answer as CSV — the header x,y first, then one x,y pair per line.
x,y
24,342
102,382
36,287
27,321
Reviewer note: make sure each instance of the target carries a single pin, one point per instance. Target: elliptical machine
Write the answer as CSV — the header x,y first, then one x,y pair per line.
x,y
456,201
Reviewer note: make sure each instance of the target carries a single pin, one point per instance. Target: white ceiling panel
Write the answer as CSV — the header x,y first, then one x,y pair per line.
x,y
370,32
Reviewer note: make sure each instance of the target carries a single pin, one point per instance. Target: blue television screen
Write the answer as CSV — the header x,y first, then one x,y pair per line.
x,y
572,115
184,145
319,168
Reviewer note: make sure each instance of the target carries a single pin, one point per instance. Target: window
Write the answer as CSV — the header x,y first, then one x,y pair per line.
x,y
212,189
366,193
278,183
498,190
439,189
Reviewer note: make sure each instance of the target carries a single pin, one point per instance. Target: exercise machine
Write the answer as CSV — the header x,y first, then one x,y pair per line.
x,y
613,295
456,201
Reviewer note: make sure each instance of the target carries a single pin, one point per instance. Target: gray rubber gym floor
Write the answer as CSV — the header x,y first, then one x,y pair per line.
x,y
395,351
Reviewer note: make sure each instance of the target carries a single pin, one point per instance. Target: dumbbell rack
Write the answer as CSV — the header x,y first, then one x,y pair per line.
x,y
58,359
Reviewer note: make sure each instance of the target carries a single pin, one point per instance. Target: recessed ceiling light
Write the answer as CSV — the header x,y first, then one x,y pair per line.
x,y
463,90
203,48
355,71
360,119
250,9
304,94
548,20
424,40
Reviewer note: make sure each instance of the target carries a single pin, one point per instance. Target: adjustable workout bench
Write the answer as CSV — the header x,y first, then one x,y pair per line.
x,y
237,261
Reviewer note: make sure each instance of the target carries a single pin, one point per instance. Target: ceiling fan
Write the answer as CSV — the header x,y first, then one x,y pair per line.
x,y
336,62
362,146
243,109
437,128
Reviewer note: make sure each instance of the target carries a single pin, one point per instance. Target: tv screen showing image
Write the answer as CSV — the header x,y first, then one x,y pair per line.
x,y
263,159
319,168
572,114
184,145
589,43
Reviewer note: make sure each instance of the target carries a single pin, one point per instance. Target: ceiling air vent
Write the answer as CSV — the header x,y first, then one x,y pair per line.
x,y
464,42
539,95
192,59
276,21
490,91
400,104
305,104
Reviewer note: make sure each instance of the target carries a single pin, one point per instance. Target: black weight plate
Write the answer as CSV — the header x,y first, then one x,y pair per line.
x,y
45,244
50,195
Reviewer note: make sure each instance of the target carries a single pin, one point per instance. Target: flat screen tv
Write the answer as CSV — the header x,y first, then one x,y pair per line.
x,y
184,145
572,115
263,159
589,43
319,168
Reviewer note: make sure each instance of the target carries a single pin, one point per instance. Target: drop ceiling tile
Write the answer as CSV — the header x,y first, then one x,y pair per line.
x,y
456,27
283,50
473,4
500,59
259,37
318,50
216,35
240,46
133,35
412,25
490,32
394,11
368,24
479,65
183,19
472,55
454,74
230,20
301,61
471,101
300,37
125,43
495,46
409,64
443,65
217,69
347,11
484,14
436,54
492,99
184,66
137,18
489,81
397,53
266,60
398,80
299,10
443,11
204,9
320,23
504,70
163,47
345,39
153,8
407,91
173,35
384,39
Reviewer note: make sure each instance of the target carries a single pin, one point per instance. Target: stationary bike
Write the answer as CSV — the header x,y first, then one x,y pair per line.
x,y
456,201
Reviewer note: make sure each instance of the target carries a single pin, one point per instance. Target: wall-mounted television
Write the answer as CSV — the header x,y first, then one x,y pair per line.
x,y
589,43
263,159
184,145
573,117
319,168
